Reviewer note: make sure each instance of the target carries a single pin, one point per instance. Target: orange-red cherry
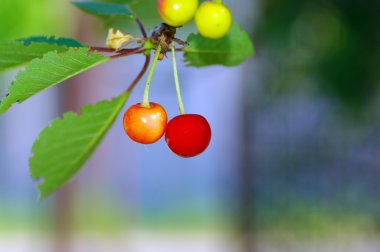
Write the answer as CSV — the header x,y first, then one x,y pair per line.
x,y
188,135
145,125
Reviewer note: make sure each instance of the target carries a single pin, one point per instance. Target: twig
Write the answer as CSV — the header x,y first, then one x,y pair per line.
x,y
141,27
128,52
102,49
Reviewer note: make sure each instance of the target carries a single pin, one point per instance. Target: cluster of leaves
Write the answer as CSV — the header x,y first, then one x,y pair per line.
x,y
65,145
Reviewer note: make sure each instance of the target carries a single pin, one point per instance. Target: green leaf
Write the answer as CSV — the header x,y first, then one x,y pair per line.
x,y
231,50
103,9
18,53
51,40
50,70
15,54
64,146
129,2
114,15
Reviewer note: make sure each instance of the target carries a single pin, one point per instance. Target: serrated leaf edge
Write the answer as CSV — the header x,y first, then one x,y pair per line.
x,y
37,57
91,147
3,110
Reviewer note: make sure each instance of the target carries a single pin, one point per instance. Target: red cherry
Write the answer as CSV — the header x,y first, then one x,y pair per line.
x,y
145,125
188,135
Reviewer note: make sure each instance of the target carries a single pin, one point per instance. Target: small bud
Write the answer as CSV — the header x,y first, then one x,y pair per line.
x,y
161,56
115,40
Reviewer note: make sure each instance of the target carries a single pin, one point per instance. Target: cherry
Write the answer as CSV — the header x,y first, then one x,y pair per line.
x,y
188,135
177,12
213,20
145,125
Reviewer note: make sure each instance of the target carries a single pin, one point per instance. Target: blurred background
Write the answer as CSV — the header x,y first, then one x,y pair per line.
x,y
293,165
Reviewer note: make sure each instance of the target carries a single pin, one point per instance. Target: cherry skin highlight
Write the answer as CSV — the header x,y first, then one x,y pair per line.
x,y
188,135
177,12
213,20
145,125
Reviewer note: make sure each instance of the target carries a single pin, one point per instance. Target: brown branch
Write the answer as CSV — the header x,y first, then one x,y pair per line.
x,y
128,52
102,49
125,52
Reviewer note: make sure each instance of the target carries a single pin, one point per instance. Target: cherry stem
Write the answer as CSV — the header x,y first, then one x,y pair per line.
x,y
141,27
140,75
145,102
176,81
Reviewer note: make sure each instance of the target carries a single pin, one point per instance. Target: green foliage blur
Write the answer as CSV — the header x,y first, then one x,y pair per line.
x,y
320,84
19,18
335,42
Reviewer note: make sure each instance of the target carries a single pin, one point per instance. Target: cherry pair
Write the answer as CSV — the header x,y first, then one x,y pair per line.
x,y
212,18
187,135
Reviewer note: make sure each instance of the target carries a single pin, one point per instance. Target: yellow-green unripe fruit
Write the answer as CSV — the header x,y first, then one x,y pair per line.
x,y
177,12
213,20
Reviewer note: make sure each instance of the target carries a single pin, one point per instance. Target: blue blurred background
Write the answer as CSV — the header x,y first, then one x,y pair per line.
x,y
294,160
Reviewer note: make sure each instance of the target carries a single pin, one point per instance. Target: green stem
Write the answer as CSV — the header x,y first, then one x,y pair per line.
x,y
145,101
176,81
218,1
